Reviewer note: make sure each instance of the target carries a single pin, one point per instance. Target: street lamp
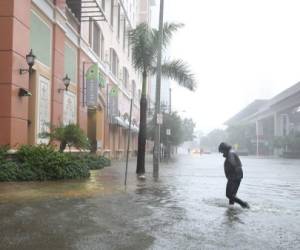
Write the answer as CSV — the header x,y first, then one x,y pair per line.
x,y
30,58
66,81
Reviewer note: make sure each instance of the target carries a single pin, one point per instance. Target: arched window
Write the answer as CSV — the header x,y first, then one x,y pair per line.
x,y
114,62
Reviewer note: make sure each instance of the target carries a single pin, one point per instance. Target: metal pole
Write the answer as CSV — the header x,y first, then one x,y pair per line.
x,y
257,138
128,143
170,100
156,155
83,84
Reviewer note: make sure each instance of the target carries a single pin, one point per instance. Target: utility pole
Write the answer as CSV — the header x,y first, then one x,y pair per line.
x,y
156,154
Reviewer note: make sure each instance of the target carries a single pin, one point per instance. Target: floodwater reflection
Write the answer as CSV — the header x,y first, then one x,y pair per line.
x,y
232,215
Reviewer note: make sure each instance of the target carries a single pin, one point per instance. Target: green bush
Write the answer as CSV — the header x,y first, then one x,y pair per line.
x,y
9,171
93,161
42,163
290,142
3,152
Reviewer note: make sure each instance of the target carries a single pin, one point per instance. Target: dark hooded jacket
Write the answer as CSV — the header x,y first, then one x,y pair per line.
x,y
232,165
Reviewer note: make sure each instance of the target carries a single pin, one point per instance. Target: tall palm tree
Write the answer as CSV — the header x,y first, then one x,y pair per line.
x,y
144,42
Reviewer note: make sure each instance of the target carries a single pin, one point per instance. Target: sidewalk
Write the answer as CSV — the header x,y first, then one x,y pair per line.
x,y
101,182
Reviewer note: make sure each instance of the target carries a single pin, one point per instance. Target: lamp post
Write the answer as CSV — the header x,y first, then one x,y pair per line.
x,y
66,81
30,58
156,155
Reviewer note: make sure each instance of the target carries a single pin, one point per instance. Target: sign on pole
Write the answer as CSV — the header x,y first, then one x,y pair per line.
x,y
94,80
92,83
168,131
159,120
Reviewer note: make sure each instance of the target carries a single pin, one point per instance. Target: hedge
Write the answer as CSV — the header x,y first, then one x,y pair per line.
x,y
41,162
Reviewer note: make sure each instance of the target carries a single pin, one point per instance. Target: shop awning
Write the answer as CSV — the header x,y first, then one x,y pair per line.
x,y
117,120
85,10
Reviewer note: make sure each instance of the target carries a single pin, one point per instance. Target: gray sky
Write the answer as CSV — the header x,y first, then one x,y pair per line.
x,y
239,50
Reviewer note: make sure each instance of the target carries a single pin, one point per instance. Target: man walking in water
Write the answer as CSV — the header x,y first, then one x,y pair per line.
x,y
234,174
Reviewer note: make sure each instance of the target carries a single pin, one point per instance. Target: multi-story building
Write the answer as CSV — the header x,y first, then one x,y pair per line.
x,y
265,120
83,40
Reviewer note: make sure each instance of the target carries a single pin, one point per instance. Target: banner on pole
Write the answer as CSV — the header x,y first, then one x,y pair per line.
x,y
94,80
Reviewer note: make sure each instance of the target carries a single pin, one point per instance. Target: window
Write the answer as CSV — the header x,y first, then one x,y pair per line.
x,y
125,77
69,115
74,6
70,62
96,39
40,39
124,35
112,13
119,20
114,62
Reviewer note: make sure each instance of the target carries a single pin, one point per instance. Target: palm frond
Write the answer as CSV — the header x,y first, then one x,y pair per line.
x,y
179,71
141,41
168,31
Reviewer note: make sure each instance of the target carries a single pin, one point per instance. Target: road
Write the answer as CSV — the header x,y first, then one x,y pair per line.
x,y
185,209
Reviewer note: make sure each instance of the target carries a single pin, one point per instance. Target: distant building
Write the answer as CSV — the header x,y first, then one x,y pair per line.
x,y
276,117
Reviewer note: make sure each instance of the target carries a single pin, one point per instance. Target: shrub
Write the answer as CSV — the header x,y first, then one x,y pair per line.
x,y
290,142
42,163
3,152
8,171
93,161
69,135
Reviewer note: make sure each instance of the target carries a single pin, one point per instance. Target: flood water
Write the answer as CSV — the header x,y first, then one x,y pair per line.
x,y
185,209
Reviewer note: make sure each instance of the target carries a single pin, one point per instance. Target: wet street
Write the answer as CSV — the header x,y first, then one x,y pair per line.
x,y
185,209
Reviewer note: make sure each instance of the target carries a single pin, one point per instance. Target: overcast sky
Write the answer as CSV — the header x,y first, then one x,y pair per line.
x,y
239,50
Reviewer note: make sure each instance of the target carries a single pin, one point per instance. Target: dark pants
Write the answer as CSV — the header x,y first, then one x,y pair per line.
x,y
231,191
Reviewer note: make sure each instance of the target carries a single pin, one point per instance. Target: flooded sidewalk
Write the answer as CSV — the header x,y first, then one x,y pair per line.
x,y
185,209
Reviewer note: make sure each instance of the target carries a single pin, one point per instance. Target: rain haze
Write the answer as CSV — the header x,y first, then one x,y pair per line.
x,y
238,50
86,162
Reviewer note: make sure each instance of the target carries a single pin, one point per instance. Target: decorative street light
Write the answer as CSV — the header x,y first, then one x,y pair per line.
x,y
66,81
30,58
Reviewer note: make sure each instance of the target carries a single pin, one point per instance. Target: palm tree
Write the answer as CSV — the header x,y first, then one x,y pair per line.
x,y
144,42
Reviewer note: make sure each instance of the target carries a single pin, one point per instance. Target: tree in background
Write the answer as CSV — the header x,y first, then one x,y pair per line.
x,y
145,45
242,136
188,127
181,130
212,140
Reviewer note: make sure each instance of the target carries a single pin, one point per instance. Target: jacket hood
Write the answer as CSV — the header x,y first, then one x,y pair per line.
x,y
224,147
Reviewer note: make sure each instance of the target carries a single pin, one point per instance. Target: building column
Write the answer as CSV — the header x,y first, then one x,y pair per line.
x,y
57,75
14,45
276,125
281,124
259,134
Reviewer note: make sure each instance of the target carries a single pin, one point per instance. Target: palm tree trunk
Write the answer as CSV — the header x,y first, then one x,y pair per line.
x,y
140,168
